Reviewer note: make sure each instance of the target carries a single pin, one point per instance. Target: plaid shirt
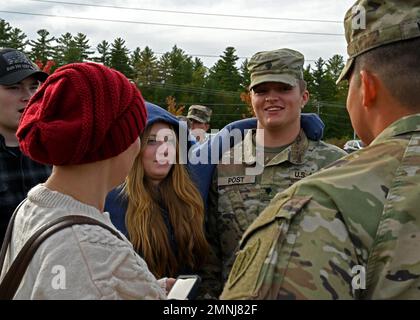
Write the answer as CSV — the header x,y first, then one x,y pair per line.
x,y
18,174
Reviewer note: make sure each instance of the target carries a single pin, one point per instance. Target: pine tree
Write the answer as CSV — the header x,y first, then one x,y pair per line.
x,y
146,73
225,73
82,44
12,37
199,72
182,66
313,104
223,86
42,49
103,50
164,77
66,50
135,57
245,75
198,80
176,71
72,49
332,112
17,39
334,67
119,59
318,74
5,31
310,81
146,67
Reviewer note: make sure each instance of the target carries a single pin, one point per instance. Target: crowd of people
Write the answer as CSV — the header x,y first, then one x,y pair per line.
x,y
101,176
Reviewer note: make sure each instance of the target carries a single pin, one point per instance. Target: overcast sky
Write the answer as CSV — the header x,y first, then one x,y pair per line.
x,y
195,41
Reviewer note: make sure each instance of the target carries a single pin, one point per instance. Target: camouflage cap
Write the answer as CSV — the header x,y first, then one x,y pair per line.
x,y
199,113
371,24
282,65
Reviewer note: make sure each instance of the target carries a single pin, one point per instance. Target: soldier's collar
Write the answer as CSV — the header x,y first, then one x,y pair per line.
x,y
401,126
298,148
294,153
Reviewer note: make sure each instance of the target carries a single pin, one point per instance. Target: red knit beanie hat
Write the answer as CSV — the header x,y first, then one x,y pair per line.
x,y
84,112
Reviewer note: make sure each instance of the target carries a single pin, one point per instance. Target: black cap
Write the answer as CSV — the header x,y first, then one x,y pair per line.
x,y
15,66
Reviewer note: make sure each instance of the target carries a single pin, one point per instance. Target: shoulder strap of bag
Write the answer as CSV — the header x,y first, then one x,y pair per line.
x,y
14,275
8,236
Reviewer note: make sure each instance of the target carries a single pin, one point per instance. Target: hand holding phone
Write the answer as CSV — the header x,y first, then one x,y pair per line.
x,y
185,288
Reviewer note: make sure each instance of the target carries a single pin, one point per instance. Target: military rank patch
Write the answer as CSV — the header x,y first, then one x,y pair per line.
x,y
242,262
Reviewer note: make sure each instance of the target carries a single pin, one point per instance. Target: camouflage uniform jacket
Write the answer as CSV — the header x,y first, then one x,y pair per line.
x,y
354,225
239,198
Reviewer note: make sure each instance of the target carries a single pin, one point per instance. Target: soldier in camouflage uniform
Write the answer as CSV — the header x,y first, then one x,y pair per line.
x,y
352,231
279,146
199,118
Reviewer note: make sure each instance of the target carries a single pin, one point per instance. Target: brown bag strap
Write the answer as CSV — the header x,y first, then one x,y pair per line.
x,y
8,236
14,275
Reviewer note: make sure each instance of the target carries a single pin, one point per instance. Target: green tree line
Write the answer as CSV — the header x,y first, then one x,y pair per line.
x,y
185,78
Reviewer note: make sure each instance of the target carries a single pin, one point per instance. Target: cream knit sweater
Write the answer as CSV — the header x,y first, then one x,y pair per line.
x,y
79,262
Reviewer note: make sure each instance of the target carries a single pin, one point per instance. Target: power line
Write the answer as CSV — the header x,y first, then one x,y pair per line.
x,y
173,25
198,89
210,104
214,92
178,88
189,12
218,56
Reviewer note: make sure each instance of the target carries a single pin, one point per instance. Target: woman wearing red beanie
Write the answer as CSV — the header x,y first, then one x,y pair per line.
x,y
85,120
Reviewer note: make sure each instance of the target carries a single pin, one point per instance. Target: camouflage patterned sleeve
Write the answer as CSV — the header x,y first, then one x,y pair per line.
x,y
296,249
211,272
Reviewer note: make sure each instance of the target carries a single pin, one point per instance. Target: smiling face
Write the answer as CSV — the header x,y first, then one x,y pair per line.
x,y
158,152
13,100
277,105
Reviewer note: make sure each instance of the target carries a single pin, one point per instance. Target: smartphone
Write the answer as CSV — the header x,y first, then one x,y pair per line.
x,y
185,288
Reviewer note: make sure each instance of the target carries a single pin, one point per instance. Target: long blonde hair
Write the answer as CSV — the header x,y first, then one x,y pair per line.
x,y
146,227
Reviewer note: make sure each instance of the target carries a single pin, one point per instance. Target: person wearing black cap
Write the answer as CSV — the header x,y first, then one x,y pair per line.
x,y
19,79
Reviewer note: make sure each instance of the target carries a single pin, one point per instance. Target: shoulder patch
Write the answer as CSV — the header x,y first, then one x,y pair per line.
x,y
242,262
257,259
249,264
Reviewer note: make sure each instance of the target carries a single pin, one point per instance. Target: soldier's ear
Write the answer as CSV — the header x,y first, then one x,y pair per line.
x,y
305,98
369,88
